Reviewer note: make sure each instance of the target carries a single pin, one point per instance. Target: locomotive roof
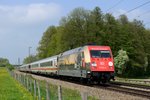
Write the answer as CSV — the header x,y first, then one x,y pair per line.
x,y
78,49
40,61
72,51
45,60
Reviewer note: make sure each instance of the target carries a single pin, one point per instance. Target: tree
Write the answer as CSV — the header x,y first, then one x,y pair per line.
x,y
123,19
83,26
30,59
138,54
120,62
112,33
75,28
95,29
146,42
4,62
46,42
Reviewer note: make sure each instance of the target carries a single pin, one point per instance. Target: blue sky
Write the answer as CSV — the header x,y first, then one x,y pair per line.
x,y
22,22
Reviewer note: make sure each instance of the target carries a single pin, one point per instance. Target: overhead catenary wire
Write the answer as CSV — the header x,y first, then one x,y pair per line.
x,y
134,8
114,5
147,23
143,13
137,7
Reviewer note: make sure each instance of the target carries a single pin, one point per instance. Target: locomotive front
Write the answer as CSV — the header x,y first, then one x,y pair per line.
x,y
99,63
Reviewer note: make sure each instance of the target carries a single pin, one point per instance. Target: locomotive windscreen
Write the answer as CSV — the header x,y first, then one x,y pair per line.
x,y
100,54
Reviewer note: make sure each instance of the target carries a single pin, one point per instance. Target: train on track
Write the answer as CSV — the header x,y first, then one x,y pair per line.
x,y
87,63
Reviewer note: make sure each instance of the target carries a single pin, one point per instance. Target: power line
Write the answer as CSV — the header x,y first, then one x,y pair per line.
x,y
147,23
143,13
137,7
114,5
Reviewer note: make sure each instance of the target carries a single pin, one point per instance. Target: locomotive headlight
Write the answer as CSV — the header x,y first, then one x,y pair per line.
x,y
88,72
110,63
94,64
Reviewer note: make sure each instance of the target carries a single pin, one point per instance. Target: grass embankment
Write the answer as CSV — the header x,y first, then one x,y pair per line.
x,y
11,89
67,94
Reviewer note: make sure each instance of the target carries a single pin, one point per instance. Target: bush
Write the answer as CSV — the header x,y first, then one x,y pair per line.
x,y
120,62
10,67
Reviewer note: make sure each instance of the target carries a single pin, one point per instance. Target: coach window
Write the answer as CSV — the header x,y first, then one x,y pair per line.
x,y
50,63
55,63
29,66
42,64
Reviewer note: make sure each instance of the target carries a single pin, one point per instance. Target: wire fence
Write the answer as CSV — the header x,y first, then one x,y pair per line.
x,y
43,90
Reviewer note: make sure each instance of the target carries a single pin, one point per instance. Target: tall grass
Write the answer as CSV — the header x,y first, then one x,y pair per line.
x,y
10,89
67,94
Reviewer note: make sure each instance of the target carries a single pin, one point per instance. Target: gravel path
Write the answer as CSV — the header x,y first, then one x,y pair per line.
x,y
102,94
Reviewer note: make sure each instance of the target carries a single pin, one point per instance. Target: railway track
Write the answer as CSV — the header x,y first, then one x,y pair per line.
x,y
134,81
127,88
132,89
131,85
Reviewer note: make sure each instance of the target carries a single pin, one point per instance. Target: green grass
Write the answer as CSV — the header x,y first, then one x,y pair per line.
x,y
68,94
10,89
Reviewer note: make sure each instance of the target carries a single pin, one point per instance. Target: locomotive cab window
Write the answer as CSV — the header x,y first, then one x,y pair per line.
x,y
100,54
95,53
105,54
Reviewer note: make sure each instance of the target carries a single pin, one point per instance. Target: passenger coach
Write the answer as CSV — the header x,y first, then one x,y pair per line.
x,y
45,66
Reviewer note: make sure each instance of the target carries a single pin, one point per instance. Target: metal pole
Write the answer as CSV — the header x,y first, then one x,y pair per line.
x,y
59,93
47,91
29,51
19,61
29,54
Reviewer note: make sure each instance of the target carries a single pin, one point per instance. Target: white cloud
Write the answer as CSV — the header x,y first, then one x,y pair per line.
x,y
22,26
32,13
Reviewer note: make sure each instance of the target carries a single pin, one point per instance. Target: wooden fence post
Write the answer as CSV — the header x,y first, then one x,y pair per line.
x,y
39,93
19,78
24,80
47,91
15,75
59,93
34,89
31,85
84,95
27,83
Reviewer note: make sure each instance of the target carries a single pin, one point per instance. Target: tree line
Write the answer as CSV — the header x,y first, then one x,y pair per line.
x,y
129,40
4,62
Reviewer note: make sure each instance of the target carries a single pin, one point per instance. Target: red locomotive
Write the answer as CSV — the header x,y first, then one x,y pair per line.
x,y
90,63
87,63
